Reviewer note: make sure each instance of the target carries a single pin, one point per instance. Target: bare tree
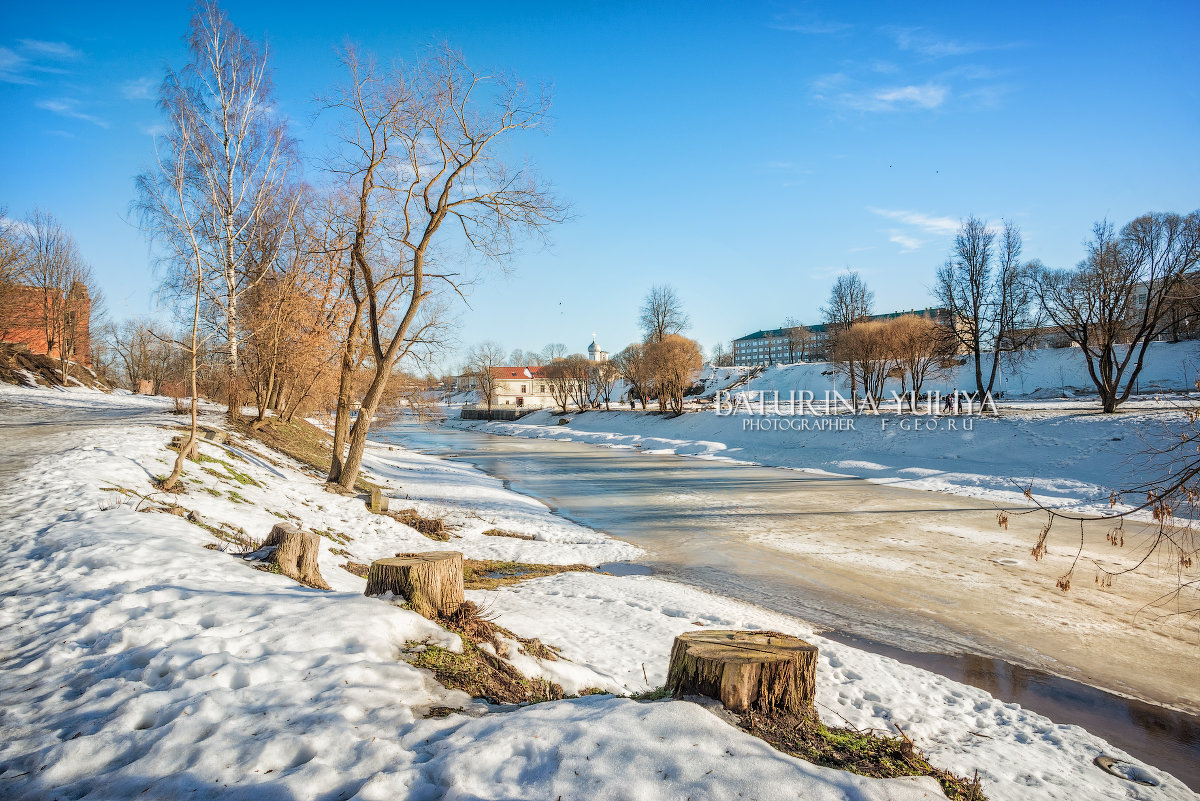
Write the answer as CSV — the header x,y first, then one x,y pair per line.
x,y
62,284
605,377
635,367
577,371
662,314
554,350
143,350
525,358
850,302
988,293
173,205
482,361
799,340
864,352
240,157
560,383
420,149
675,360
1115,302
13,274
920,347
722,355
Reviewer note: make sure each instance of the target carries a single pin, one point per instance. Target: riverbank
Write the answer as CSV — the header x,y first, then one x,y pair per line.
x,y
140,654
1066,452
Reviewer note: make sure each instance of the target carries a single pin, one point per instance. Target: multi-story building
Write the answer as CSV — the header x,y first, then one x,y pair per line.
x,y
806,343
49,321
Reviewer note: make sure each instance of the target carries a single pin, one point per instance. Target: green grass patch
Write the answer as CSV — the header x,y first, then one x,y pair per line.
x,y
300,440
657,694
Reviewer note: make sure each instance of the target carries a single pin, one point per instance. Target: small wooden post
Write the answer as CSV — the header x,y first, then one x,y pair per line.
x,y
432,582
296,554
379,501
760,670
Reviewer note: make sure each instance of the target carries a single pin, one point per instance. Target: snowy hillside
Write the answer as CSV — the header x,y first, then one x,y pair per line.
x,y
1047,373
141,660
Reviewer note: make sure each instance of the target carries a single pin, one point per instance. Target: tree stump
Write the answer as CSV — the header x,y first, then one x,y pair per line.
x,y
379,501
296,554
745,670
432,582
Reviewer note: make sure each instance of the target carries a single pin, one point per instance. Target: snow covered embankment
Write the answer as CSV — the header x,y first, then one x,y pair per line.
x,y
139,661
1068,453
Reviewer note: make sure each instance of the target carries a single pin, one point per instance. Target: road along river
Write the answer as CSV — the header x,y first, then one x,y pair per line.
x,y
927,578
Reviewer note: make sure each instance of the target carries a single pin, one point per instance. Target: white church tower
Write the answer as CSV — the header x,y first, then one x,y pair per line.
x,y
594,352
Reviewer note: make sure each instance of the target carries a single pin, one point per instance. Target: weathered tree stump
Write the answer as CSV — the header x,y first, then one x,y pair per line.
x,y
296,554
432,581
745,670
379,501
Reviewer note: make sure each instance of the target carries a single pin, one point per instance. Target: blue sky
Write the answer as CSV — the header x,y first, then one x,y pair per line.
x,y
745,153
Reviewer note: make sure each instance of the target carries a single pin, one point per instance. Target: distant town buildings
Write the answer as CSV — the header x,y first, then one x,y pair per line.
x,y
521,385
806,343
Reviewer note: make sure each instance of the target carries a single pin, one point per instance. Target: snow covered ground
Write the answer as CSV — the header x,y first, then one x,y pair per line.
x,y
138,659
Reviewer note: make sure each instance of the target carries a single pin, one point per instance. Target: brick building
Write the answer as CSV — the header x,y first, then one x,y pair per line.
x,y
25,312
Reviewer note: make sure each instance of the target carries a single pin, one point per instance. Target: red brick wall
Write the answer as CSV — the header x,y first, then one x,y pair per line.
x,y
26,323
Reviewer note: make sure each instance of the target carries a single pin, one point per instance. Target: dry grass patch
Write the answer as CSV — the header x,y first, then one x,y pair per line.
x,y
516,535
434,528
861,752
489,574
481,671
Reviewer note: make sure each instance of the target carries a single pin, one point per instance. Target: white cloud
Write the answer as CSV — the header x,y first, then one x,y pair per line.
x,y
55,50
140,89
925,43
69,108
906,243
941,226
843,91
31,56
13,66
808,23
925,96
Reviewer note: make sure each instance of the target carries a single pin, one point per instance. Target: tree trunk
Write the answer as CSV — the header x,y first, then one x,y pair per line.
x,y
296,554
744,670
431,582
341,423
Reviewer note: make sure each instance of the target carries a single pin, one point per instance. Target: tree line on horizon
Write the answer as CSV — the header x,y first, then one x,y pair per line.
x,y
1133,286
662,367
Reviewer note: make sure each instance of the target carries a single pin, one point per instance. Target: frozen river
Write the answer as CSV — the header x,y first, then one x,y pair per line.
x,y
923,577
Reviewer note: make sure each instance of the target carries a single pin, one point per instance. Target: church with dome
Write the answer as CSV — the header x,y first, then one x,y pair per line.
x,y
594,353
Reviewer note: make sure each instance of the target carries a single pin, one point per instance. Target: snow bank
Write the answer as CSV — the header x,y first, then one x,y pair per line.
x,y
1020,755
1047,373
1069,457
137,661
